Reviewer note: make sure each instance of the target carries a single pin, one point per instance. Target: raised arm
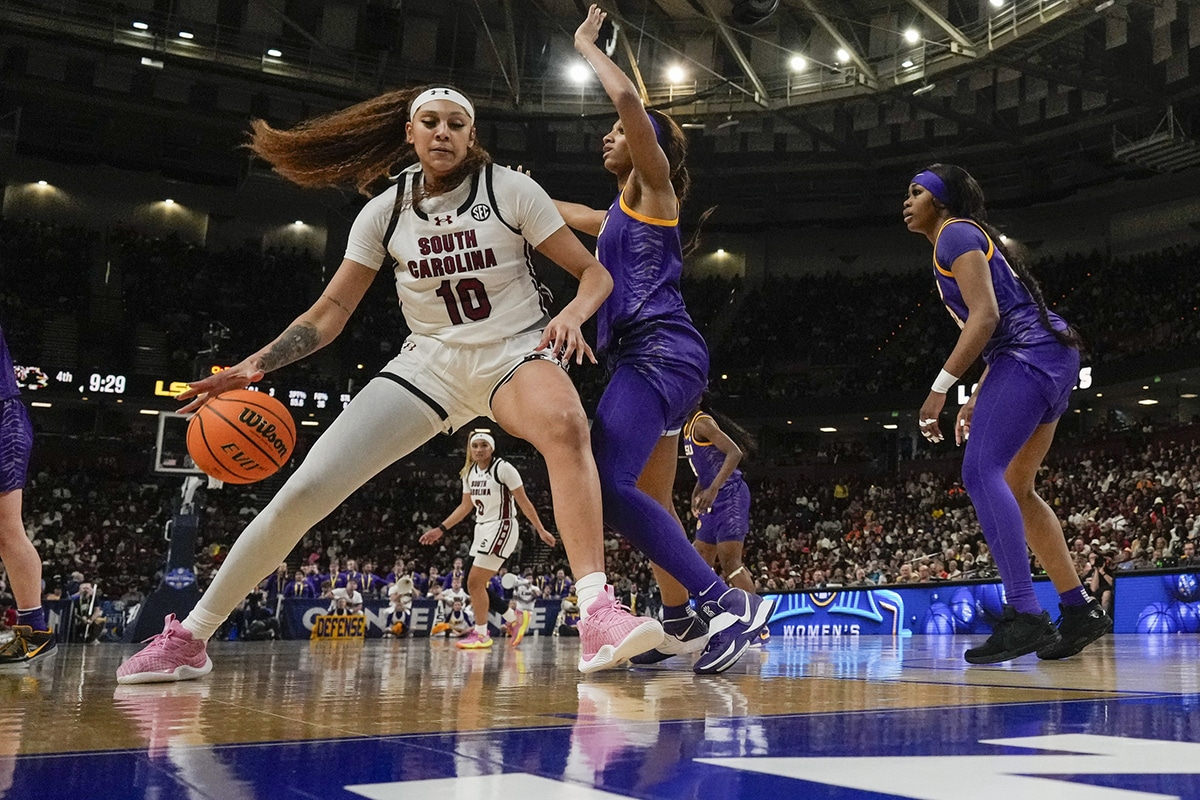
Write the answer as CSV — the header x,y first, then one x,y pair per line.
x,y
649,162
308,333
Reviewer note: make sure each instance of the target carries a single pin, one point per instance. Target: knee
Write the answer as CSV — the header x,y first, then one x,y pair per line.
x,y
976,474
563,430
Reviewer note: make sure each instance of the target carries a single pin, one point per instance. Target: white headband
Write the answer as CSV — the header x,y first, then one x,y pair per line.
x,y
441,93
487,437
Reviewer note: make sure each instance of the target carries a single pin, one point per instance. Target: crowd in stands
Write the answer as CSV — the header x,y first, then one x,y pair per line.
x,y
1128,503
788,337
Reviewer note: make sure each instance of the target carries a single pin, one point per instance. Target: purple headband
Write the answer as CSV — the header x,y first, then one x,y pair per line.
x,y
654,124
934,184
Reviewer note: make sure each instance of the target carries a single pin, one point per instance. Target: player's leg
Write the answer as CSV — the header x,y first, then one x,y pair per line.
x,y
1007,413
383,423
685,631
33,640
477,588
729,556
1082,618
539,404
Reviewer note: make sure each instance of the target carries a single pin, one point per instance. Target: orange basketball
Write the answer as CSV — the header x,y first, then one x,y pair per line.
x,y
241,436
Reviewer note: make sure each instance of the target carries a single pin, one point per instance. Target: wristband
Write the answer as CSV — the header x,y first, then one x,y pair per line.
x,y
945,381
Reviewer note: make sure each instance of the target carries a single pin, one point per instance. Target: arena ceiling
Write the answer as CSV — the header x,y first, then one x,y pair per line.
x,y
818,111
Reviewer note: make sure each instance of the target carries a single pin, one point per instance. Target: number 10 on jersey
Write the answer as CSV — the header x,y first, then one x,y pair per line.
x,y
465,298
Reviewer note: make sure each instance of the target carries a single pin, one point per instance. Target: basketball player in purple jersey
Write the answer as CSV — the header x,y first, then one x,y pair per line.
x,y
32,641
1032,358
658,365
721,499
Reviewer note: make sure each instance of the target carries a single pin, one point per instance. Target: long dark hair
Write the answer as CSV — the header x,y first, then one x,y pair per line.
x,y
966,201
674,144
358,146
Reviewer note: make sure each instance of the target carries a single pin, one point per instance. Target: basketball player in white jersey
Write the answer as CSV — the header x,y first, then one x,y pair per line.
x,y
456,233
493,489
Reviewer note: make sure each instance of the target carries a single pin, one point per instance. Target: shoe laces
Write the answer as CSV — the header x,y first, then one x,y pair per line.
x,y
172,637
611,608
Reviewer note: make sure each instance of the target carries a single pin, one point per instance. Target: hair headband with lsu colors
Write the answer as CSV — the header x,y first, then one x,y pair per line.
x,y
441,93
935,185
485,436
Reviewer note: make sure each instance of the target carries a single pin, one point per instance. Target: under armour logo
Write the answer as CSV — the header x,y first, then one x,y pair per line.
x,y
437,221
480,212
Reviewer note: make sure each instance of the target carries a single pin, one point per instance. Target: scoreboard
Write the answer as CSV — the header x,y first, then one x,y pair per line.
x,y
55,382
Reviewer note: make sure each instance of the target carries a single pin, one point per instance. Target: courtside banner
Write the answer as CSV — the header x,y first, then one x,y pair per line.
x,y
896,610
1158,603
298,616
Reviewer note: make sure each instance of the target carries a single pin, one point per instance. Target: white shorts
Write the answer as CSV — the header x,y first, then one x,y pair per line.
x,y
456,383
494,543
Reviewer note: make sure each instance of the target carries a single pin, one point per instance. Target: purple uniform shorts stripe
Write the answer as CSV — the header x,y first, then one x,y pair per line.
x,y
16,442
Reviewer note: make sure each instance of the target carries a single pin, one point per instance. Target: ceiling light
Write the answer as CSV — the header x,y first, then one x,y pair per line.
x,y
150,412
828,430
720,251
842,54
1099,394
1147,401
141,26
186,35
926,89
43,183
273,53
309,423
40,404
1188,395
152,62
911,36
797,63
891,426
675,74
578,72
299,223
996,3
169,201
906,63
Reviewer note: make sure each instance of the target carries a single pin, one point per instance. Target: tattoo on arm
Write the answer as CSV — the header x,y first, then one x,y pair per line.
x,y
297,342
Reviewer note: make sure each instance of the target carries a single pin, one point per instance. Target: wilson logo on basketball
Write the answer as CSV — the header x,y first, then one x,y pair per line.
x,y
266,430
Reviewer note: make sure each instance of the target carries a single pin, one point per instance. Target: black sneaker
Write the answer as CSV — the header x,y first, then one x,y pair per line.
x,y
1078,626
686,635
27,647
1015,635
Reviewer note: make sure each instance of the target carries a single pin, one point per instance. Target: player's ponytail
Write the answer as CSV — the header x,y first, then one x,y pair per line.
x,y
361,146
746,441
966,201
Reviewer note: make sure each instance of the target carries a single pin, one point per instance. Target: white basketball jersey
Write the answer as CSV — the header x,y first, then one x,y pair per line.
x,y
462,260
492,490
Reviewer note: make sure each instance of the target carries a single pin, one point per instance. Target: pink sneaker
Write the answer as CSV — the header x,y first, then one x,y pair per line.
x,y
172,655
473,641
611,635
518,626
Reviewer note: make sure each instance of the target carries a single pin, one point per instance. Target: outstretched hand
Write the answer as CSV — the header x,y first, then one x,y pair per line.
x,y
430,536
587,32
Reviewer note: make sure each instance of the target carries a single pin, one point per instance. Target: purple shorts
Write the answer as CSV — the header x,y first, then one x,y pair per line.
x,y
729,520
16,442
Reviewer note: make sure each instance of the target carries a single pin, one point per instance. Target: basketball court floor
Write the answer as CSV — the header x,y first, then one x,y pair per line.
x,y
837,718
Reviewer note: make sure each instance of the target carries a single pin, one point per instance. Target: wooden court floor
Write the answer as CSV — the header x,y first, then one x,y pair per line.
x,y
853,717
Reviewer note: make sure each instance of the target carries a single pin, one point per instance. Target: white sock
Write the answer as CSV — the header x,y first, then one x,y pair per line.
x,y
202,624
482,630
587,589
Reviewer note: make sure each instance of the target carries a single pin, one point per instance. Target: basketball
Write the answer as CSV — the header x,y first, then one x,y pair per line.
x,y
241,436
962,604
